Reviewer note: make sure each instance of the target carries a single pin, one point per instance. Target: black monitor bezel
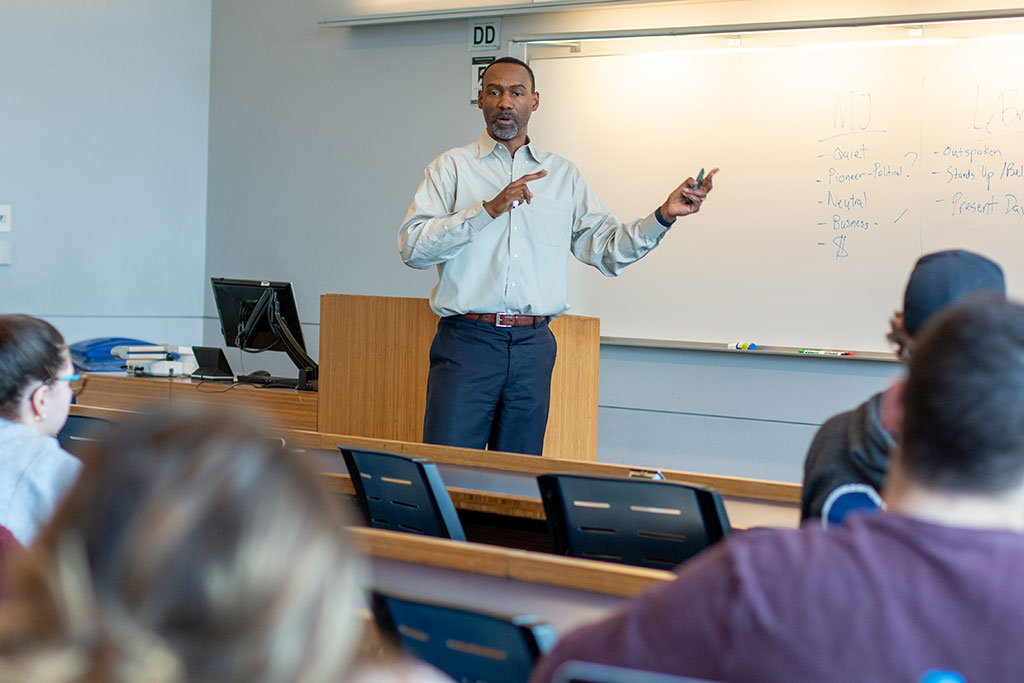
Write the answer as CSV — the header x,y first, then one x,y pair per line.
x,y
229,293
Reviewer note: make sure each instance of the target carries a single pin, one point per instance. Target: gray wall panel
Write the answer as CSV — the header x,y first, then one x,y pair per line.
x,y
699,443
728,413
103,139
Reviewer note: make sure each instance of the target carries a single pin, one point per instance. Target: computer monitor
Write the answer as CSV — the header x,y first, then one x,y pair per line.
x,y
260,315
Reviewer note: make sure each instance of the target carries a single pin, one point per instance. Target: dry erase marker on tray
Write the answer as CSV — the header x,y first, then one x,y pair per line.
x,y
742,346
823,352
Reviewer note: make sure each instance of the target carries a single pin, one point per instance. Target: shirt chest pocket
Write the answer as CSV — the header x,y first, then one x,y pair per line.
x,y
550,222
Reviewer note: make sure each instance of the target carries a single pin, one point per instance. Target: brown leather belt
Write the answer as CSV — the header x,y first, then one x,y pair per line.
x,y
506,319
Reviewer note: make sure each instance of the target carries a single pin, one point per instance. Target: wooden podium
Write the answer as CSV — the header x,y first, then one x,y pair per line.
x,y
374,363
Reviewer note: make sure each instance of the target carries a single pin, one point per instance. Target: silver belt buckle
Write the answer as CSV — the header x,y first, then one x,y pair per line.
x,y
498,319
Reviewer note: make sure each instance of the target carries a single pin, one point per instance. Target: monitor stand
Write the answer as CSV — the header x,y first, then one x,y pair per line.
x,y
265,379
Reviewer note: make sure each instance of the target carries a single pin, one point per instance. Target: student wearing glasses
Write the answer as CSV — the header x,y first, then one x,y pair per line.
x,y
37,382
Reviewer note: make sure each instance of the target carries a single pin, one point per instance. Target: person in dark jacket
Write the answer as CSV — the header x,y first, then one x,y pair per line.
x,y
850,452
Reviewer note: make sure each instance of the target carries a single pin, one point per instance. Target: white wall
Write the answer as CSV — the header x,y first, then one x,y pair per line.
x,y
318,138
103,137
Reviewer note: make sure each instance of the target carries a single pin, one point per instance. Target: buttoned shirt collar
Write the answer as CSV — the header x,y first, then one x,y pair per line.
x,y
486,145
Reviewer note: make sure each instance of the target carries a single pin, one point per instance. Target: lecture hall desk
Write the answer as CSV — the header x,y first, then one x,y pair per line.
x,y
289,408
479,481
563,591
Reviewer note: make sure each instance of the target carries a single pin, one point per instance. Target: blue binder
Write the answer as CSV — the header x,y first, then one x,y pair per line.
x,y
93,355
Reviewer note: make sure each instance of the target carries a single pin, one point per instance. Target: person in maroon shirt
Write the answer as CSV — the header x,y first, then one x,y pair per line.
x,y
929,590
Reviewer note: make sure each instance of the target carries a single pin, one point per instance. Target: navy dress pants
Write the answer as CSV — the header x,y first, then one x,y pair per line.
x,y
489,386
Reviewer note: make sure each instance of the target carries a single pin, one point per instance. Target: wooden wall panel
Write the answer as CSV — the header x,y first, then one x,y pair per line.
x,y
572,420
374,363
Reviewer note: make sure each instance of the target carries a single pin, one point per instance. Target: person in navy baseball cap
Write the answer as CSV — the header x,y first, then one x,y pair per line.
x,y
849,455
943,277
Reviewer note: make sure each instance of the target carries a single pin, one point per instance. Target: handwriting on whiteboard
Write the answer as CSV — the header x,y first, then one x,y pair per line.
x,y
856,170
869,178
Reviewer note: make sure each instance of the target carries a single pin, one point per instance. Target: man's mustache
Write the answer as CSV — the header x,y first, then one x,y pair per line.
x,y
509,115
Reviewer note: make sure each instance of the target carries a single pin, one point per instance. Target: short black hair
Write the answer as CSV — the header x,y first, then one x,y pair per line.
x,y
963,427
31,350
511,60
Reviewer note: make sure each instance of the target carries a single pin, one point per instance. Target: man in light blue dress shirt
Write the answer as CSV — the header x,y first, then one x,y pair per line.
x,y
499,217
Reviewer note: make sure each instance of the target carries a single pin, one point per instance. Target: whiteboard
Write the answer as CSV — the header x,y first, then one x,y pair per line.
x,y
840,166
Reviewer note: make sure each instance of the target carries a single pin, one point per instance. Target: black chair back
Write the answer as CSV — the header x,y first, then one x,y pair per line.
x,y
402,494
79,431
638,522
466,645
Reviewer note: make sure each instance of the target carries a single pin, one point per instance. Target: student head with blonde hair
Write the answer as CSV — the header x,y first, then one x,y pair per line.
x,y
192,548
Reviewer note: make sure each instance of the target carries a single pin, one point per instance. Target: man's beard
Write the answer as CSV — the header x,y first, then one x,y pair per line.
x,y
505,131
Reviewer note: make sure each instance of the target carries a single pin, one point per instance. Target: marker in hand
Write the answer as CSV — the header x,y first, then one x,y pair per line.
x,y
697,184
514,195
